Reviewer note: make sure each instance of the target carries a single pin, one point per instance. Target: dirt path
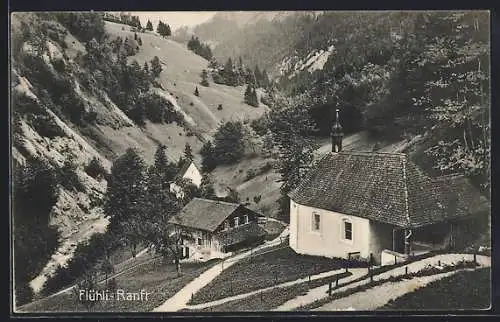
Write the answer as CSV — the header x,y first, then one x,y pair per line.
x,y
181,298
320,292
378,296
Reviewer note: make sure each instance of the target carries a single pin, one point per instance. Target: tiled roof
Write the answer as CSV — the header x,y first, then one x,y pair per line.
x,y
204,214
386,187
241,233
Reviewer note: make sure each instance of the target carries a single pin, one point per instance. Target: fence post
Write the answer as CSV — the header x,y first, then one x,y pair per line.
x,y
309,277
439,262
395,260
371,259
406,270
336,280
475,259
371,275
330,288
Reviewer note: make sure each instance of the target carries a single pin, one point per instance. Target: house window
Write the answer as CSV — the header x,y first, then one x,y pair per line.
x,y
226,225
246,219
200,241
316,222
236,221
347,229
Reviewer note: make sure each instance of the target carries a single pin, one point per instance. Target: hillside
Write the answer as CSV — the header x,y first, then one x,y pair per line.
x,y
77,214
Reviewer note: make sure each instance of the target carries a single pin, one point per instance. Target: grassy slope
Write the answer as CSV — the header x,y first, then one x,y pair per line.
x,y
464,290
157,278
183,68
270,268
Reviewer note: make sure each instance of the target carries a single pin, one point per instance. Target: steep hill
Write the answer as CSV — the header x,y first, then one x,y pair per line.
x,y
46,55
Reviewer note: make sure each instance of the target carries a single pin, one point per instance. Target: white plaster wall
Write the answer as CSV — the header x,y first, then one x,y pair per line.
x,y
327,241
193,174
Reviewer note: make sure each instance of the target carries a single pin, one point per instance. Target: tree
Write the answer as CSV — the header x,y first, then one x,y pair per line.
x,y
250,96
258,76
188,152
166,169
83,286
149,25
95,169
208,157
204,78
196,91
34,193
156,66
163,29
228,73
290,125
207,190
229,147
126,196
457,93
265,79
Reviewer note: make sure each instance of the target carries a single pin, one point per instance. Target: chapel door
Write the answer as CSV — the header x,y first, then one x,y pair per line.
x,y
399,241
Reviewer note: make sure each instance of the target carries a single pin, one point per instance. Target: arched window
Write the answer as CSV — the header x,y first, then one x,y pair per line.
x,y
226,225
236,221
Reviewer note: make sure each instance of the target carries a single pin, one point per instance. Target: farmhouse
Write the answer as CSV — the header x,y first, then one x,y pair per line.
x,y
379,206
210,226
188,172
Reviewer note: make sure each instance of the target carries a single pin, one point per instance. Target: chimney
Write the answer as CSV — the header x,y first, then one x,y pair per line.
x,y
337,133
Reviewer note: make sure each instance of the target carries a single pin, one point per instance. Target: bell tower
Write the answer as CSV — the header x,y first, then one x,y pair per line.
x,y
337,133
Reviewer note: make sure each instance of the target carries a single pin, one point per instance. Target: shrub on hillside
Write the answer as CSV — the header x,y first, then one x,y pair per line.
x,y
83,25
46,126
95,169
68,177
85,258
228,143
33,196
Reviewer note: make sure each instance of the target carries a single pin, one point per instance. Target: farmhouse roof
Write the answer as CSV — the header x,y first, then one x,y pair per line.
x,y
204,214
241,233
185,166
386,187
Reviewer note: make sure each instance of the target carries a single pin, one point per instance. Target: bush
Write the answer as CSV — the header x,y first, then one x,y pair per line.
x,y
84,259
68,177
251,173
46,126
95,169
219,107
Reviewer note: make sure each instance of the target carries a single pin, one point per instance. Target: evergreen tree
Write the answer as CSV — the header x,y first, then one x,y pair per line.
x,y
126,197
149,26
228,73
258,76
163,166
188,152
163,29
196,92
265,79
204,78
229,145
156,66
208,157
250,96
146,68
